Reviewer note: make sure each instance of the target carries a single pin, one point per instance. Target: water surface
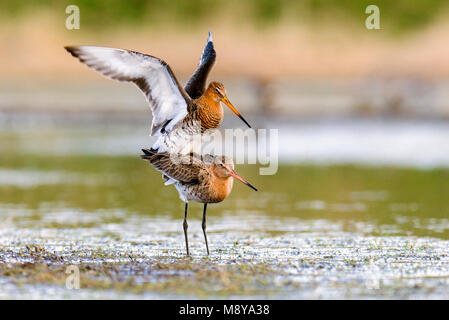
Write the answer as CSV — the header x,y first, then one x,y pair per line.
x,y
312,231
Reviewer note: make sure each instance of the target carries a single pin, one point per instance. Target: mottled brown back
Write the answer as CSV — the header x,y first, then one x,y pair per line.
x,y
187,171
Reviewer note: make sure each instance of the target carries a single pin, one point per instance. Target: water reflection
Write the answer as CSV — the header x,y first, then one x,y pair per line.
x,y
344,194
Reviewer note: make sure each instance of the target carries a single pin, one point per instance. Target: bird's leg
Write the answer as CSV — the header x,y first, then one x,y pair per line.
x,y
204,227
185,225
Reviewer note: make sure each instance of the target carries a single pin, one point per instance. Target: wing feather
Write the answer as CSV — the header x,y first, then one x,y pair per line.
x,y
196,85
167,99
187,170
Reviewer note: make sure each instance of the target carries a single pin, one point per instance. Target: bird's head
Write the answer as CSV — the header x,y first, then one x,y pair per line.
x,y
224,168
217,91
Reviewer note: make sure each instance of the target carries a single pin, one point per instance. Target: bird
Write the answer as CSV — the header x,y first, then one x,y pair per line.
x,y
178,113
204,179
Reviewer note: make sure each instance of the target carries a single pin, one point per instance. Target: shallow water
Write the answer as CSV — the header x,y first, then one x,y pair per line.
x,y
312,231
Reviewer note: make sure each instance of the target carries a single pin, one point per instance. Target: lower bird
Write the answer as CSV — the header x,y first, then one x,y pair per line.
x,y
205,179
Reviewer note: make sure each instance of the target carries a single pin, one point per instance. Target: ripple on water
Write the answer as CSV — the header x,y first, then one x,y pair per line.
x,y
305,258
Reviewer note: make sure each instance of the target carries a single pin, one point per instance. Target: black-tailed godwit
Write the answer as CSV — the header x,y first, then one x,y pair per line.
x,y
178,113
206,179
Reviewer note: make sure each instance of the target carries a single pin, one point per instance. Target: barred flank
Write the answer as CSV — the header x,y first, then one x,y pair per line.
x,y
209,120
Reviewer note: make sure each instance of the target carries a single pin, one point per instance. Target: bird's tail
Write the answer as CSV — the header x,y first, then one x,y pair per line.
x,y
148,154
152,155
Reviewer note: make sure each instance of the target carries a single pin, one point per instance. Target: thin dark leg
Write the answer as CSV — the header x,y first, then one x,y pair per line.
x,y
185,225
204,227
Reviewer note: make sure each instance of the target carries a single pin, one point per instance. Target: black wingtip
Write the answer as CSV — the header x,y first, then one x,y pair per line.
x,y
72,51
209,53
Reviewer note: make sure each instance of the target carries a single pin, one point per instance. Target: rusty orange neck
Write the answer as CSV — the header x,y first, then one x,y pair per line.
x,y
210,111
221,188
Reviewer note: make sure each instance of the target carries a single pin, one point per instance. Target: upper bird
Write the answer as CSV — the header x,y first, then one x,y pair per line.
x,y
177,113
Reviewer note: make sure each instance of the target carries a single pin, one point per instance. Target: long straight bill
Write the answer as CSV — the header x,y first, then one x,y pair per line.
x,y
229,104
235,175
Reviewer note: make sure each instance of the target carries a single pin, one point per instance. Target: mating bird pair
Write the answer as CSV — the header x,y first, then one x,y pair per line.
x,y
178,114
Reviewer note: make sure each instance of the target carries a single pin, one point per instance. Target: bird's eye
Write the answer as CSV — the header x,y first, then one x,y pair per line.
x,y
216,89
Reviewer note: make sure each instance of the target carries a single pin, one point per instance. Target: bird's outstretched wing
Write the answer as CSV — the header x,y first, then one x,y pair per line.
x,y
196,85
186,169
167,99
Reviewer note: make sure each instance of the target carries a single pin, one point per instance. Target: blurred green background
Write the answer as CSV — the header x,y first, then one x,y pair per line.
x,y
399,16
